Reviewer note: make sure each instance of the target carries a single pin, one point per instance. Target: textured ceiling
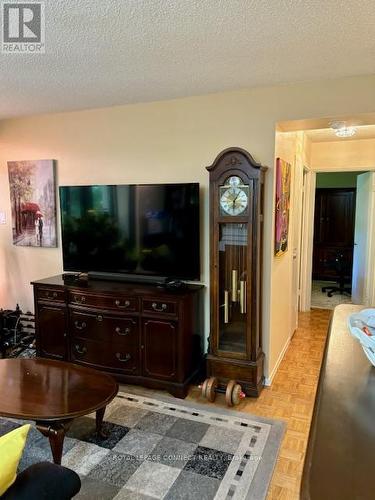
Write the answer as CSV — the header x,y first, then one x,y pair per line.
x,y
328,135
106,52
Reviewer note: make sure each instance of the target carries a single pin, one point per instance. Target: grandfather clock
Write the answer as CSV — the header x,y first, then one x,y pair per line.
x,y
236,217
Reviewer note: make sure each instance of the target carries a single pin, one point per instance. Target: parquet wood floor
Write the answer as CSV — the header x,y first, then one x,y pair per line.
x,y
291,398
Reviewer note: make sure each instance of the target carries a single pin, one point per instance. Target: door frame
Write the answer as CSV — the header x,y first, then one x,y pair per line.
x,y
369,286
308,209
307,237
371,254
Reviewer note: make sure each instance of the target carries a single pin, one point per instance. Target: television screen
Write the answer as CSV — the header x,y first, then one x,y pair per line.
x,y
137,229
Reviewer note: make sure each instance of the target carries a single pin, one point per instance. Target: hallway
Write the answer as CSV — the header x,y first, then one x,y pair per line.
x,y
291,398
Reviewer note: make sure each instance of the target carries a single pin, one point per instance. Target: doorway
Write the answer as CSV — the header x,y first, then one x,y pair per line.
x,y
314,147
341,238
333,242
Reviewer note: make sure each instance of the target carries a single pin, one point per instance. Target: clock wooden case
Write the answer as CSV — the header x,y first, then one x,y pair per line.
x,y
236,219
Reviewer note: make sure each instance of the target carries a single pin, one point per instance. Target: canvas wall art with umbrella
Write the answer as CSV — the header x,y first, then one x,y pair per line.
x,y
33,202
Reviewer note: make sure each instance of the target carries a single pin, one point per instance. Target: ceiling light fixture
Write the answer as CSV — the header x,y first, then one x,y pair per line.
x,y
341,129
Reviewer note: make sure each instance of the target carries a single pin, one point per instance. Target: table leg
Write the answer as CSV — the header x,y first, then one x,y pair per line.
x,y
99,423
55,431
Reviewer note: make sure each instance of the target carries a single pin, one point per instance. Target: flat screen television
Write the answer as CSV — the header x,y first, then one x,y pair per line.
x,y
149,230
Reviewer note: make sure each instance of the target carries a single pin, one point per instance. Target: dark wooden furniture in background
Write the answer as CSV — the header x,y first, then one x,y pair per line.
x,y
2,342
139,333
53,393
339,461
333,232
236,201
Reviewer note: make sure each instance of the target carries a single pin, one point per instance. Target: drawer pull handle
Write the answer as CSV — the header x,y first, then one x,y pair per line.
x,y
49,294
124,359
162,308
79,350
125,305
99,317
125,332
80,326
79,299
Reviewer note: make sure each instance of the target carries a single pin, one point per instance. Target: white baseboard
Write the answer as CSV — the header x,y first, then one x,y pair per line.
x,y
268,380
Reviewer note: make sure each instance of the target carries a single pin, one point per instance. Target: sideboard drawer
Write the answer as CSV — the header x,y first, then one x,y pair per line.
x,y
53,294
96,326
160,306
109,357
121,303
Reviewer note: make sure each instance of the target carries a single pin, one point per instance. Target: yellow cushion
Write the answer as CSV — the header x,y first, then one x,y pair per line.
x,y
11,448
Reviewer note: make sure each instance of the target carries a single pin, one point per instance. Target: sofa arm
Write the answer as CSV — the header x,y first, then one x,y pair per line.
x,y
44,481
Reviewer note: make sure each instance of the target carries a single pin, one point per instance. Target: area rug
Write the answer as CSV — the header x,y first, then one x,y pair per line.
x,y
160,447
321,300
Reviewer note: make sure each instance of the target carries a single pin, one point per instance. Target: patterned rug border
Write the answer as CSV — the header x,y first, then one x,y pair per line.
x,y
149,393
263,474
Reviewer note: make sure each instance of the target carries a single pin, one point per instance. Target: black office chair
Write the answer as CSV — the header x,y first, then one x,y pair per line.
x,y
342,267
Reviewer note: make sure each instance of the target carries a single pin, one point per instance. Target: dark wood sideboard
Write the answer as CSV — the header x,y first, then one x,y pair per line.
x,y
139,333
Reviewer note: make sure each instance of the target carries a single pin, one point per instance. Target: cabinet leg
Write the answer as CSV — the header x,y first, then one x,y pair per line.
x,y
99,423
179,392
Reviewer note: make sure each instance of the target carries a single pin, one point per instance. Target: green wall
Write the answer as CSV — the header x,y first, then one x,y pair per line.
x,y
337,179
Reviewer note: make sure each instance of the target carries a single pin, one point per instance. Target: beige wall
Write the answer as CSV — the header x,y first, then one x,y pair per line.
x,y
294,148
164,142
352,154
285,148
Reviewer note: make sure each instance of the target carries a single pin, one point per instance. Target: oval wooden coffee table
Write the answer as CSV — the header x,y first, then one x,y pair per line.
x,y
53,393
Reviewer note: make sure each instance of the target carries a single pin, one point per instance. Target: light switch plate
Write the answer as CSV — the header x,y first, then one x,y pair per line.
x,y
3,218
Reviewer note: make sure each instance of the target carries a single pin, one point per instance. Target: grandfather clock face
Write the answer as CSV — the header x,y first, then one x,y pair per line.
x,y
233,197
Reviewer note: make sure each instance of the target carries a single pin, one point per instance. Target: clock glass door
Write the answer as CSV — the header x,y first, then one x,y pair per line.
x,y
233,243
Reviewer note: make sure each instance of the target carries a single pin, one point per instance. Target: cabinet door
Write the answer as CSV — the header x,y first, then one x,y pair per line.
x,y
159,349
334,217
51,337
339,226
